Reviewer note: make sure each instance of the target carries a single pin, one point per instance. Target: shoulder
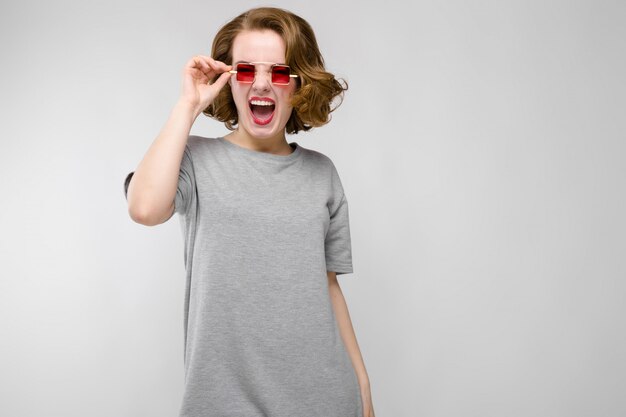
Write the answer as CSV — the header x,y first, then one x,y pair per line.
x,y
323,168
199,148
197,143
318,159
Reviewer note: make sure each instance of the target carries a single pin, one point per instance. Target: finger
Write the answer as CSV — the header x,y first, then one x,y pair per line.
x,y
223,66
215,64
222,80
195,63
201,63
206,68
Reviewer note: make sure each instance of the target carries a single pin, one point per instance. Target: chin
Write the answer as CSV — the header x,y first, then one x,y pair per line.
x,y
263,132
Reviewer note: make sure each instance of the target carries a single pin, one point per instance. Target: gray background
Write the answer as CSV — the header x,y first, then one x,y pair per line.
x,y
481,146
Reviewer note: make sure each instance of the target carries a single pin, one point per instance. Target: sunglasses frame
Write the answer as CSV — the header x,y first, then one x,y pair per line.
x,y
271,71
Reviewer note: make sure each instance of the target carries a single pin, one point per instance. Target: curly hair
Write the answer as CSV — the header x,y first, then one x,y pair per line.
x,y
316,90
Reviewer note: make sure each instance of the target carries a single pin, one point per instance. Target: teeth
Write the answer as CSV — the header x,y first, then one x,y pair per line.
x,y
261,103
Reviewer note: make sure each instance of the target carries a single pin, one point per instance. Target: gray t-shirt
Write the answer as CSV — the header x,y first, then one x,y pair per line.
x,y
260,232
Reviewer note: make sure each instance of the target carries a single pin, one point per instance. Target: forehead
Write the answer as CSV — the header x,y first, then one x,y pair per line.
x,y
259,46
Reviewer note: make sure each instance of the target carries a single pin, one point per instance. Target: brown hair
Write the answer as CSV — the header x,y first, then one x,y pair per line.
x,y
316,88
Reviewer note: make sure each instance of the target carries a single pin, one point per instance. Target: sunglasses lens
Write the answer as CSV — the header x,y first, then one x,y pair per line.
x,y
280,74
245,73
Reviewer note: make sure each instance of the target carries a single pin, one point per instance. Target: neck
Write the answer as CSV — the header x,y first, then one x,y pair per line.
x,y
275,145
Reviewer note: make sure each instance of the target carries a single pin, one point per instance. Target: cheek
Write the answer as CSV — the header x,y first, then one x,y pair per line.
x,y
287,99
239,96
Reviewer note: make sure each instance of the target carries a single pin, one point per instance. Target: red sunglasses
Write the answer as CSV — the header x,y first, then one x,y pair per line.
x,y
246,72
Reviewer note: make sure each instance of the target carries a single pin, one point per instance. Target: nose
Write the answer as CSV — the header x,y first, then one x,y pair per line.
x,y
262,80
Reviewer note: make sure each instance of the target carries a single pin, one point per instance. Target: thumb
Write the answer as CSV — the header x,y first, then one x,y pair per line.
x,y
222,80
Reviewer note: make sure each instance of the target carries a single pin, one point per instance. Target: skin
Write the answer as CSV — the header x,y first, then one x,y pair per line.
x,y
153,187
268,46
261,46
348,336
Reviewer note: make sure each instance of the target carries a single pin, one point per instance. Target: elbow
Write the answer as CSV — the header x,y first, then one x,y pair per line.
x,y
141,216
142,213
138,213
149,217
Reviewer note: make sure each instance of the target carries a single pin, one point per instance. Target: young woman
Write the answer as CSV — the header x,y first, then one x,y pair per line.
x,y
265,225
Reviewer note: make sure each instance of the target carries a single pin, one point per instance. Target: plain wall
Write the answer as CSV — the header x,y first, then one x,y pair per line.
x,y
481,147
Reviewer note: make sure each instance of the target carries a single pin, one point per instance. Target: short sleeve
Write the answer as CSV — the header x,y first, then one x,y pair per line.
x,y
338,244
186,190
127,183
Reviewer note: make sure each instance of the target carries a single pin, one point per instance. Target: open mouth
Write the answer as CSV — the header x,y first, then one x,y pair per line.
x,y
262,109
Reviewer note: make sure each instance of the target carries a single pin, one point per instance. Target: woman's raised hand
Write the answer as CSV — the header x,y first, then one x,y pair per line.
x,y
197,74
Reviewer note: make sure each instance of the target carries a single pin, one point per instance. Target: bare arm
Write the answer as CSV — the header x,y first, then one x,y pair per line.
x,y
152,188
349,338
